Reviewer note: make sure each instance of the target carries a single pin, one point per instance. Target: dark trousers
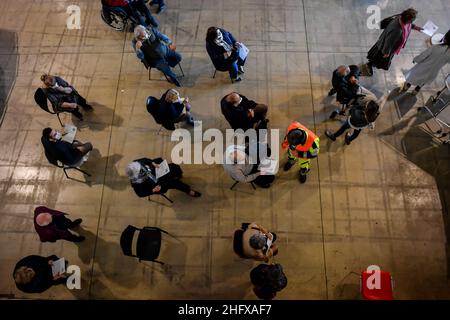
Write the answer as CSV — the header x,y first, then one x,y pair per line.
x,y
344,128
175,184
138,6
158,2
172,58
234,67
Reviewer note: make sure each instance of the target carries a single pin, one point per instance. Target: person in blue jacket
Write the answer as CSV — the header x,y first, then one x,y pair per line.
x,y
223,49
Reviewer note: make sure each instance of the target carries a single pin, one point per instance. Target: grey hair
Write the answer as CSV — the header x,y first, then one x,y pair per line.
x,y
133,170
258,241
138,29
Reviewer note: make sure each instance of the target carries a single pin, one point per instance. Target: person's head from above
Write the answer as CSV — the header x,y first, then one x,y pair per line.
x,y
296,137
48,80
44,219
212,34
234,99
172,96
409,15
51,134
372,110
24,275
343,70
238,156
141,33
258,241
136,172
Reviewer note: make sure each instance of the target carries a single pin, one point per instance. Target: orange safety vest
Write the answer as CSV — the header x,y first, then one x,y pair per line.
x,y
310,137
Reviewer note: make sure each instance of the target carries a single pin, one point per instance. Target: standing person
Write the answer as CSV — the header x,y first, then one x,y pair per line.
x,y
429,63
223,49
361,116
392,40
52,225
302,145
268,279
33,274
161,5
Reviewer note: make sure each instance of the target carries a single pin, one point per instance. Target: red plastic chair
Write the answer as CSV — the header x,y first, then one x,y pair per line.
x,y
384,292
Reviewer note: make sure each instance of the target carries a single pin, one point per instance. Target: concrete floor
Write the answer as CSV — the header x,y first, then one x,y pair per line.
x,y
373,202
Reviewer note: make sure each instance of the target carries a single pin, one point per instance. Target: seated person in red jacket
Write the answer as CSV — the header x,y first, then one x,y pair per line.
x,y
33,274
142,175
52,225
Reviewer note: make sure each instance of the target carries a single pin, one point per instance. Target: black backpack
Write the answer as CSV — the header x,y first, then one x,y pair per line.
x,y
386,21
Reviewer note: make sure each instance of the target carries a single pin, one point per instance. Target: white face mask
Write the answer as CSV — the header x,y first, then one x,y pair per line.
x,y
57,135
219,35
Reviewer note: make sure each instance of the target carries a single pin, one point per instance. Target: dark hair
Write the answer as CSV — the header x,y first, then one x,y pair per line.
x,y
409,15
46,132
211,34
372,111
446,39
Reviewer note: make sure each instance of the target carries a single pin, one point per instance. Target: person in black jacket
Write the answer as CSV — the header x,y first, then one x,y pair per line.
x,y
63,151
142,175
242,113
33,274
63,96
362,115
171,107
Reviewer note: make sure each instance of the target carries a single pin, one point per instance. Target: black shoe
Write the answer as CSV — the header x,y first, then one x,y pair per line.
x,y
175,82
161,9
330,135
288,165
238,79
334,114
303,175
241,70
75,223
331,92
78,114
195,195
347,138
79,239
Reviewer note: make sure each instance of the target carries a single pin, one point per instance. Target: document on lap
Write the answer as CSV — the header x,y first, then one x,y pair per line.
x,y
162,170
268,167
70,131
59,267
243,51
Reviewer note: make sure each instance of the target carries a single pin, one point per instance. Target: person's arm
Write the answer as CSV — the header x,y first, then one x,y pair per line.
x,y
61,82
247,103
238,175
312,153
232,38
162,36
137,49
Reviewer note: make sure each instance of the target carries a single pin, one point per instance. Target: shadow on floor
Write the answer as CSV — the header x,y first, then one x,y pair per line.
x,y
8,67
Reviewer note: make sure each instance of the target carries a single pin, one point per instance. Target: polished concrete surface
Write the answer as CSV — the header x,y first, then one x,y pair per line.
x,y
381,200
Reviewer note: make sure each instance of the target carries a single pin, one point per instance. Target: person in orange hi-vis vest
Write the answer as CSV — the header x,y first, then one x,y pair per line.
x,y
302,145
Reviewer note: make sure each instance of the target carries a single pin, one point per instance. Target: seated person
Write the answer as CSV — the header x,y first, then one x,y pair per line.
x,y
268,279
33,274
63,96
156,50
52,225
171,107
142,175
63,151
258,243
237,165
242,113
362,115
134,8
161,5
223,49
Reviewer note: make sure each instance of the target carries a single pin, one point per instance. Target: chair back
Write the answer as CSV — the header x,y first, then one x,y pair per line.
x,y
152,108
41,100
148,244
237,243
126,240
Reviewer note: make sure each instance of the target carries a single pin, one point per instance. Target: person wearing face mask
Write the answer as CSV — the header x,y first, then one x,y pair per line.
x,y
302,145
223,49
156,50
242,113
63,96
142,175
63,151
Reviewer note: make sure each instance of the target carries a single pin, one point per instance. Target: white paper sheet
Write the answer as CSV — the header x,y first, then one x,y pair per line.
x,y
268,167
59,266
243,51
430,28
162,170
71,133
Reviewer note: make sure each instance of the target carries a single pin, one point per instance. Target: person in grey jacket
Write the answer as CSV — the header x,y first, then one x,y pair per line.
x,y
428,65
392,40
362,115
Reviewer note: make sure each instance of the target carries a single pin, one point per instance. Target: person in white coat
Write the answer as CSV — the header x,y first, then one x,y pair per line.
x,y
428,65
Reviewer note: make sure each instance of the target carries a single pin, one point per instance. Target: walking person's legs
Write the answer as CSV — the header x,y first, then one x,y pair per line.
x,y
341,130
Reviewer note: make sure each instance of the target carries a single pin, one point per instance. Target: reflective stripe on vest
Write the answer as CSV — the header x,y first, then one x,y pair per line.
x,y
310,137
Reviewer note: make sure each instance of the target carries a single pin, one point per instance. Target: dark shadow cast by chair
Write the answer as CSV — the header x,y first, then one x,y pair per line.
x,y
100,118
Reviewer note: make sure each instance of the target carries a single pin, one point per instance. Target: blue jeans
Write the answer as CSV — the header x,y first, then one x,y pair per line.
x,y
172,58
234,67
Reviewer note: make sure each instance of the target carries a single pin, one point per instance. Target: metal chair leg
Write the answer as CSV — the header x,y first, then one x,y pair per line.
x,y
59,119
214,75
160,262
167,198
149,73
65,172
234,185
253,185
82,171
181,69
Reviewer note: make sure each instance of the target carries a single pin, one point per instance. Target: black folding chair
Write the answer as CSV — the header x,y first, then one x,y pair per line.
x,y
41,99
148,244
237,182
